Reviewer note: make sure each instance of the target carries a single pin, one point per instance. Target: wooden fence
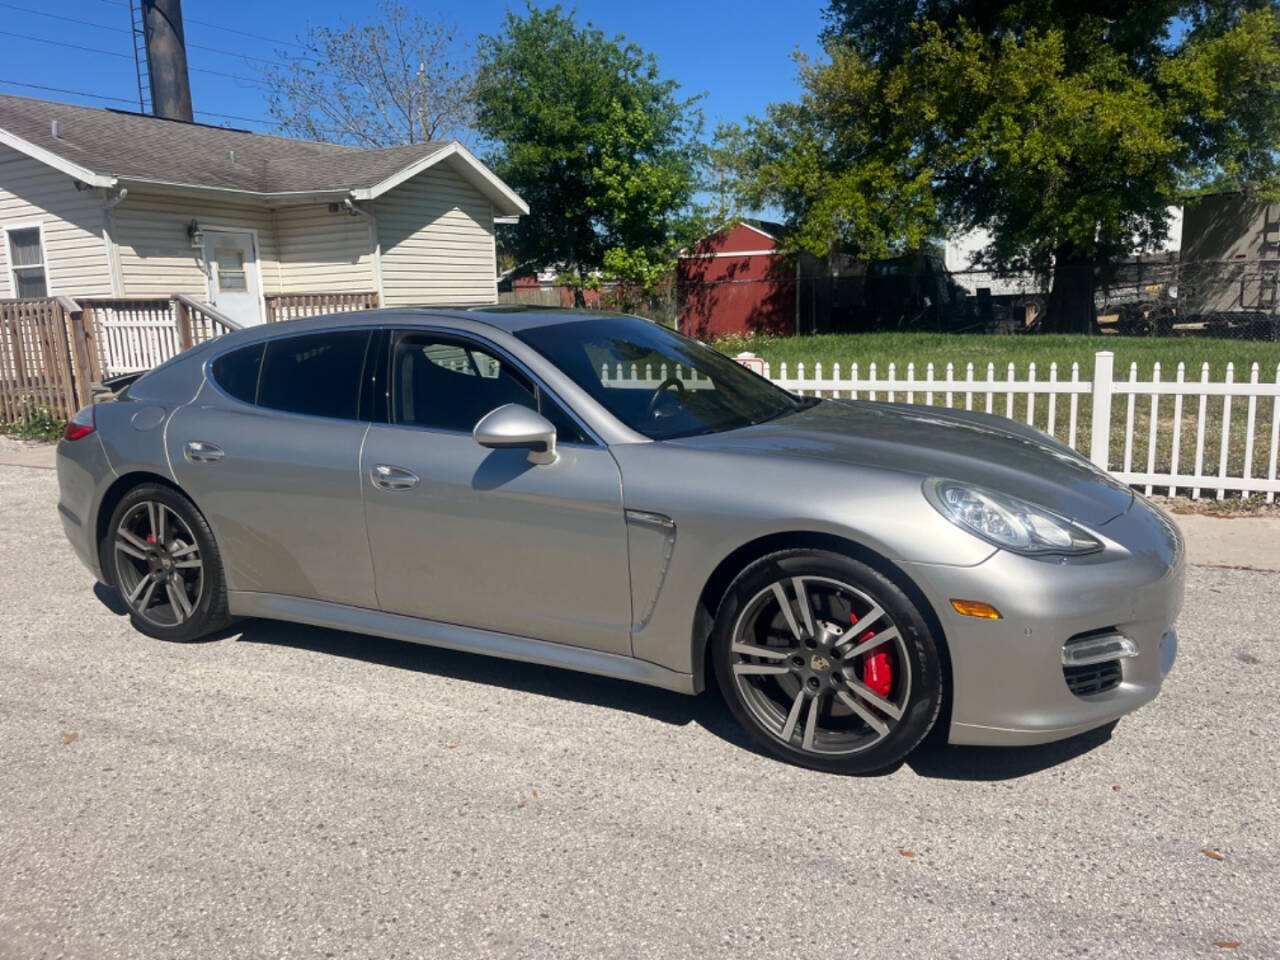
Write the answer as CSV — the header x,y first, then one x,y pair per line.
x,y
53,350
42,363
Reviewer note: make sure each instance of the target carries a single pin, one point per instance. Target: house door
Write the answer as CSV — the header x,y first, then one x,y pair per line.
x,y
232,264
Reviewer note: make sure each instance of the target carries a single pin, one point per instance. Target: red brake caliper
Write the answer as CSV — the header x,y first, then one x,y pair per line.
x,y
877,667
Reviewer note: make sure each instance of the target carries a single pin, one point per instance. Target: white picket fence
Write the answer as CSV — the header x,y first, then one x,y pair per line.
x,y
1186,470
1169,454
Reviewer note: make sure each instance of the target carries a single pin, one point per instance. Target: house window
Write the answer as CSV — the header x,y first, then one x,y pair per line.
x,y
231,276
26,263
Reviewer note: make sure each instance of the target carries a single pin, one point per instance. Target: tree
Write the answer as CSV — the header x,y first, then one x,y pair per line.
x,y
1065,129
602,148
400,79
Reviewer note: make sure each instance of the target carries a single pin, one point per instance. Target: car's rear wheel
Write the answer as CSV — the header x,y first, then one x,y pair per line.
x,y
163,559
826,662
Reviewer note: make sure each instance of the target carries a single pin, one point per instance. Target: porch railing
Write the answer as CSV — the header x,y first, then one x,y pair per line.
x,y
295,306
131,335
54,350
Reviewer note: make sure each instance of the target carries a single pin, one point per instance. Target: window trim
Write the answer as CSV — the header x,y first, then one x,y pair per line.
x,y
480,342
12,283
381,353
206,368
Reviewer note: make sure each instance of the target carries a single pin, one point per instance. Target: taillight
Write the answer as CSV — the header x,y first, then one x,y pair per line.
x,y
82,424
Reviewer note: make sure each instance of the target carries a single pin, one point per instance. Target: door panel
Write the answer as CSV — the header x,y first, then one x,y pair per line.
x,y
487,539
282,494
232,264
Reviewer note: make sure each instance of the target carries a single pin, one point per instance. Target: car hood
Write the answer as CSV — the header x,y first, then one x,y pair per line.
x,y
970,447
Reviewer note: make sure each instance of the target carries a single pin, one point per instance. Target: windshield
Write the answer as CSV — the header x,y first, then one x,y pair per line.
x,y
657,382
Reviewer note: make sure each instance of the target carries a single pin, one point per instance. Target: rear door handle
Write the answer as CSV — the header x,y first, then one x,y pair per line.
x,y
197,451
387,477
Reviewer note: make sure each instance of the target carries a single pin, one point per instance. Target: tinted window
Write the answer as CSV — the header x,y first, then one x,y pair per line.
x,y
657,382
318,374
449,384
237,372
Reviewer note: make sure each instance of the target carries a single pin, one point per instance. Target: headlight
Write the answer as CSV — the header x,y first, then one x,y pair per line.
x,y
1008,522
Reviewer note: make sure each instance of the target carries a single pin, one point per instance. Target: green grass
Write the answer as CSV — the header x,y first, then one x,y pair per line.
x,y
960,350
1044,349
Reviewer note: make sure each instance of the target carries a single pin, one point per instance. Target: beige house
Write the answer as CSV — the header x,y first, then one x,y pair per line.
x,y
103,203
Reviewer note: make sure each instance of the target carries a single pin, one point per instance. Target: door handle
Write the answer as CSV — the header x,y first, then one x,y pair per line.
x,y
197,451
387,477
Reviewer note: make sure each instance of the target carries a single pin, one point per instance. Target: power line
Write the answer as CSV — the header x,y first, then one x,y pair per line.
x,y
194,46
232,116
218,26
242,33
99,96
74,93
124,56
258,81
54,16
63,43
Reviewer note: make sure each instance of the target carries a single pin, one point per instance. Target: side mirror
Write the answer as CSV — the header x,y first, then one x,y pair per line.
x,y
515,427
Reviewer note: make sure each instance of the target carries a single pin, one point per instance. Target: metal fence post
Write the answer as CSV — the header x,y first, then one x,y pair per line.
x,y
1100,421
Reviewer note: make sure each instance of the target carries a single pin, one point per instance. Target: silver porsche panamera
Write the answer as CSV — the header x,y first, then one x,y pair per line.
x,y
595,492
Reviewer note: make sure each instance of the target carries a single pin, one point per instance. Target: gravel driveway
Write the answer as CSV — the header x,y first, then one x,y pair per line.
x,y
294,792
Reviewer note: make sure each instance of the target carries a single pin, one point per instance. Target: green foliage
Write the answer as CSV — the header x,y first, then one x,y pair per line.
x,y
1063,131
36,424
603,149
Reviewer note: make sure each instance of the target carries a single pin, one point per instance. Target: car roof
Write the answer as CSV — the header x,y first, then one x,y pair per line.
x,y
508,317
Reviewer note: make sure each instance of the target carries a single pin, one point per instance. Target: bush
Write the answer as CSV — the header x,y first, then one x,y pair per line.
x,y
34,424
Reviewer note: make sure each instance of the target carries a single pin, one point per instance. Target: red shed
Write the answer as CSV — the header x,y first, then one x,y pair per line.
x,y
737,280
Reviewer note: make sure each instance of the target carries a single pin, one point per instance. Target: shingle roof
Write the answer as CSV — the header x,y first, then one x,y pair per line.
x,y
137,147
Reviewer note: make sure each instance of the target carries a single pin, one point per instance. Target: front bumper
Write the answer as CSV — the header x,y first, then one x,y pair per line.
x,y
1007,675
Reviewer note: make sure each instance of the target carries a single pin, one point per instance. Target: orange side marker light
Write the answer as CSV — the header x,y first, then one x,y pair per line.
x,y
976,608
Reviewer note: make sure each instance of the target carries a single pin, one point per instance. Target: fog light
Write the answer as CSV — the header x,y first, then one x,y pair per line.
x,y
976,608
1083,651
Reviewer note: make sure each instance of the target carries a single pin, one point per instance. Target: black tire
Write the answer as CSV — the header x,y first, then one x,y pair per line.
x,y
208,600
919,701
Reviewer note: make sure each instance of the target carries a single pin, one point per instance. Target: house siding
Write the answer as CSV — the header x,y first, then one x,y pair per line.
x,y
72,220
436,233
157,260
322,251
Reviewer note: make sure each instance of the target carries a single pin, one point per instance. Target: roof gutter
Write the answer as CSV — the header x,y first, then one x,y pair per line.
x,y
61,164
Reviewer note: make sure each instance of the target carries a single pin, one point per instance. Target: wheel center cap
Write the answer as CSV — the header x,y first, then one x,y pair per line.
x,y
819,663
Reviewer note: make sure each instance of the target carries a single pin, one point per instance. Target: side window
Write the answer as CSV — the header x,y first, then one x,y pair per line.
x,y
237,372
317,374
448,384
26,260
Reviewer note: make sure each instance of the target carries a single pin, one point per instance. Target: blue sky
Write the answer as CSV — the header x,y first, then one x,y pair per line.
x,y
737,53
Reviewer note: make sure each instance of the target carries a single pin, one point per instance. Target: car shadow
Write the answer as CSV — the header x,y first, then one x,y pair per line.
x,y
938,760
657,704
934,759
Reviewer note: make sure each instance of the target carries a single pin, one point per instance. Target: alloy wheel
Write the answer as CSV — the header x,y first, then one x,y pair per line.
x,y
159,569
820,665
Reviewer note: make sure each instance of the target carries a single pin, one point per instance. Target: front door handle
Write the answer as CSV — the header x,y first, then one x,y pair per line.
x,y
387,477
197,451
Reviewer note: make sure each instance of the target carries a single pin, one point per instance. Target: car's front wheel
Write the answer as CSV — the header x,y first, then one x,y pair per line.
x,y
162,557
826,662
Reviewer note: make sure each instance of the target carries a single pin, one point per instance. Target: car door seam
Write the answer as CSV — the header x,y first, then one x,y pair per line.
x,y
364,511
